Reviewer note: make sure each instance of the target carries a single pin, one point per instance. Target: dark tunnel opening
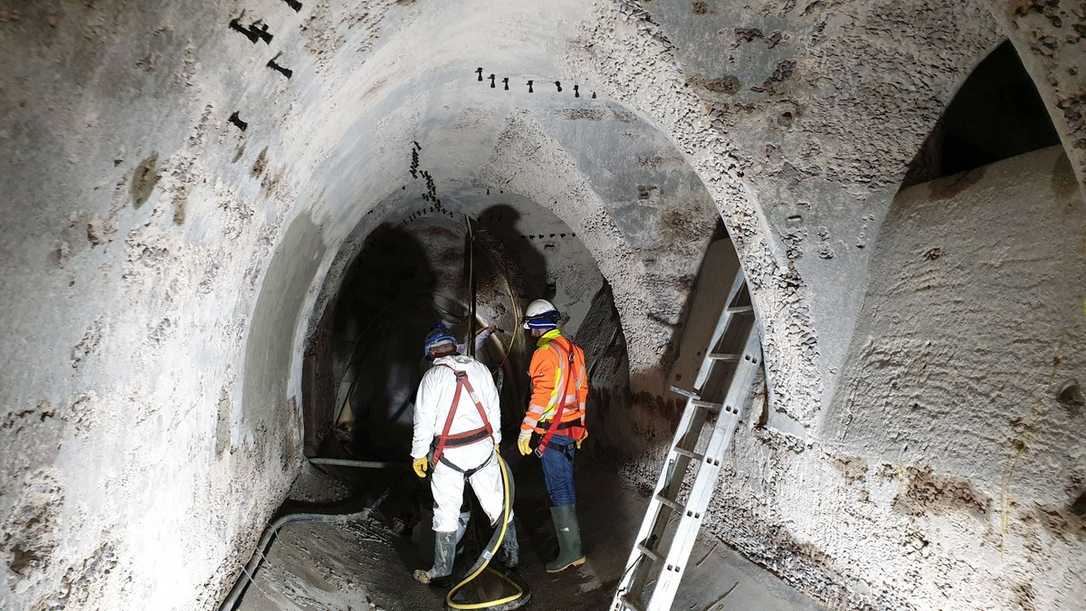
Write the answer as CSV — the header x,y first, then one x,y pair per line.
x,y
409,277
406,277
365,361
996,114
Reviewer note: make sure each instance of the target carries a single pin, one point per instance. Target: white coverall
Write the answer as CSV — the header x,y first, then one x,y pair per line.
x,y
432,405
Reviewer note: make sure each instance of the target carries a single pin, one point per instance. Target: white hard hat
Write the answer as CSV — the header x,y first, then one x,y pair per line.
x,y
540,314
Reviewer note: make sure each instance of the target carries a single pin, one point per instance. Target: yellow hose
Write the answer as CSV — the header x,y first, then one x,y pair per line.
x,y
488,554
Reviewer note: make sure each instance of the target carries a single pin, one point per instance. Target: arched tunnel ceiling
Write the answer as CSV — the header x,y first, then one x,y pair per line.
x,y
795,219
766,156
155,255
601,168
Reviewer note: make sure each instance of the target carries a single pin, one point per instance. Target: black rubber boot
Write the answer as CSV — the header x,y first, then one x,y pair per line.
x,y
509,555
444,555
569,539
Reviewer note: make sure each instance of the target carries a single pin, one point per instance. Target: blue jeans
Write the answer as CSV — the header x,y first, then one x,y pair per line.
x,y
558,470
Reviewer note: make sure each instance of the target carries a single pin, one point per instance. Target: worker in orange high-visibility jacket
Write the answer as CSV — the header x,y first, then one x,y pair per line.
x,y
557,415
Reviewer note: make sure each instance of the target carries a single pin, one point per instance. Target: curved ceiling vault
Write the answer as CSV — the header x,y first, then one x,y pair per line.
x,y
178,214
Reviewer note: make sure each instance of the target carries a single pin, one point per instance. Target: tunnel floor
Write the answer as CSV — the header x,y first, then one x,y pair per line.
x,y
367,564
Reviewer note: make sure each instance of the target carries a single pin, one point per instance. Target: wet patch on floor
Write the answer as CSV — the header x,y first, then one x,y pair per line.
x,y
368,564
331,566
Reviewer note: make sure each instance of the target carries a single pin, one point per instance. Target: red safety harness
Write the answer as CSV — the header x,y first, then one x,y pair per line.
x,y
556,420
445,440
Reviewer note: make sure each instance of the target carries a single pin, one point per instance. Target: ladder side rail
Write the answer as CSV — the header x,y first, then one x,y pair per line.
x,y
722,324
740,394
665,509
652,512
676,465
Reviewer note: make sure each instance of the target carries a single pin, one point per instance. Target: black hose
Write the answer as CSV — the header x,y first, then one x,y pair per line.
x,y
248,572
358,464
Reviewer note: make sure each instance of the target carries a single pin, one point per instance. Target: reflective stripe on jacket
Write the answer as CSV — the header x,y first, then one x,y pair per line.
x,y
547,372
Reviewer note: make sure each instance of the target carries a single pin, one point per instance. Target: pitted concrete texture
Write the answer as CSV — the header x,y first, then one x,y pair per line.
x,y
946,454
164,269
367,564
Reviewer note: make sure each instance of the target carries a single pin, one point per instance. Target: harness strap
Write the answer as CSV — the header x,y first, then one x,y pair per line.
x,y
466,437
467,473
561,426
462,378
556,419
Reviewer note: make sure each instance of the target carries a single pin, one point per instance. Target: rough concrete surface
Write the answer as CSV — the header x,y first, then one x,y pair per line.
x,y
367,564
178,216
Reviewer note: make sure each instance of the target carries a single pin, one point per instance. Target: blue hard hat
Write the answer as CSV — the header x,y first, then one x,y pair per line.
x,y
438,336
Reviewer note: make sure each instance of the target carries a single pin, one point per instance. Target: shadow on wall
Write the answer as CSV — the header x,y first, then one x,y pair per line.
x,y
609,417
509,258
382,314
500,222
651,387
639,409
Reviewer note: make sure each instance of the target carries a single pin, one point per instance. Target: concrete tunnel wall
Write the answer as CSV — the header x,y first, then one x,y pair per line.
x,y
160,265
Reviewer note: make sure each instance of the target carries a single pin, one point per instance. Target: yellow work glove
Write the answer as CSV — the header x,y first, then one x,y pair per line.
x,y
420,465
523,444
581,440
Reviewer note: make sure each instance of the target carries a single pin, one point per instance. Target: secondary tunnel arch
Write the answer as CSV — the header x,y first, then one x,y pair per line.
x,y
410,225
612,179
410,272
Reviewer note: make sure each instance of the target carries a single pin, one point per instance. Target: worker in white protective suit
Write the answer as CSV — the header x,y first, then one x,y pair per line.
x,y
457,430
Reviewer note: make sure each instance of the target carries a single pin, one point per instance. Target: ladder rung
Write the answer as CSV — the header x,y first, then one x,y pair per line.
x,y
665,574
709,405
689,453
648,551
669,502
689,394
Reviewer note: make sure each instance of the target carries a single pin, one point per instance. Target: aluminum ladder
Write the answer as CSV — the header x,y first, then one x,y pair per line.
x,y
723,392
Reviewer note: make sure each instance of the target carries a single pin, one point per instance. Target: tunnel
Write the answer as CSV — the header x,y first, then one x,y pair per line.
x,y
228,228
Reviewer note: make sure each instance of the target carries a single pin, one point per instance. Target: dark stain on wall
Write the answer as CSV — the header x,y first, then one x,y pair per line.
x,y
927,493
1061,522
589,114
144,180
727,84
261,162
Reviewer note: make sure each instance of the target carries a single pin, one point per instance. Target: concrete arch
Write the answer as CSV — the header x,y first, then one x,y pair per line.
x,y
528,160
143,229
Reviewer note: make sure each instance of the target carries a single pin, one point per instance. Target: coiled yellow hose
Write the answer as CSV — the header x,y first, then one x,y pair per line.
x,y
484,560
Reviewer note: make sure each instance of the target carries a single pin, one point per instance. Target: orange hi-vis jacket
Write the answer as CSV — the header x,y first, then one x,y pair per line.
x,y
549,378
